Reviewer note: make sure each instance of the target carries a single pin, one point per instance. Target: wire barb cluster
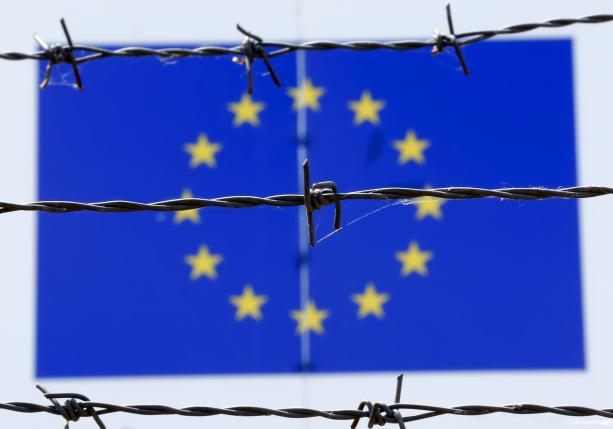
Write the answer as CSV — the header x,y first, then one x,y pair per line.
x,y
254,47
58,54
315,197
79,406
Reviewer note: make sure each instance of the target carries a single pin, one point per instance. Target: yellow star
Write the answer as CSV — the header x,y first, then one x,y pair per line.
x,y
309,319
202,152
248,304
429,206
246,111
370,302
366,109
414,260
306,95
192,215
203,263
411,148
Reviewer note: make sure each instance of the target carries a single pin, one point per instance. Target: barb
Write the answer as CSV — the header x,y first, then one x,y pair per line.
x,y
72,410
254,47
443,40
315,197
58,54
79,406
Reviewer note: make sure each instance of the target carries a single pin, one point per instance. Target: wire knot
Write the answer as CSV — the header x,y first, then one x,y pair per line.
x,y
59,54
322,194
380,413
442,41
253,48
315,197
73,409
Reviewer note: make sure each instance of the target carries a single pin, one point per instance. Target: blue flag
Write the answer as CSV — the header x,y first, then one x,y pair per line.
x,y
424,284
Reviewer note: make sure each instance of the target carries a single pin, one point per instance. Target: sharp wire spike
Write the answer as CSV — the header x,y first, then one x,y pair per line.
x,y
249,76
271,70
71,58
41,42
398,388
248,33
454,41
56,404
306,177
47,75
253,48
449,20
328,192
59,54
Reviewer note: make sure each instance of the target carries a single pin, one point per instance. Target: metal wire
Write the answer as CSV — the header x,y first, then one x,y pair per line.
x,y
325,197
77,406
254,47
315,197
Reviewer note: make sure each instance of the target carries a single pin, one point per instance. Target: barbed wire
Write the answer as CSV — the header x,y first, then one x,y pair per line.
x,y
315,197
254,47
79,406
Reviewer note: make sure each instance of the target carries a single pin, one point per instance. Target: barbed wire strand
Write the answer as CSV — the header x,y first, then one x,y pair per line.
x,y
78,406
254,47
315,197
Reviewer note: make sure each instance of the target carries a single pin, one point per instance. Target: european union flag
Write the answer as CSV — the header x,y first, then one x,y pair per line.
x,y
415,285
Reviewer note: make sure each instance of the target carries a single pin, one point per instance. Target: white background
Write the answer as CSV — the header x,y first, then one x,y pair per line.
x,y
192,21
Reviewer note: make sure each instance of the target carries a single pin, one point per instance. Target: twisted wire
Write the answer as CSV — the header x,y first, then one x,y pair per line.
x,y
78,406
318,199
479,36
254,47
315,197
91,53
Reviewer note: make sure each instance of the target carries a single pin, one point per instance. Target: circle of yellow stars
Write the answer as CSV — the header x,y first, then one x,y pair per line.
x,y
370,303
